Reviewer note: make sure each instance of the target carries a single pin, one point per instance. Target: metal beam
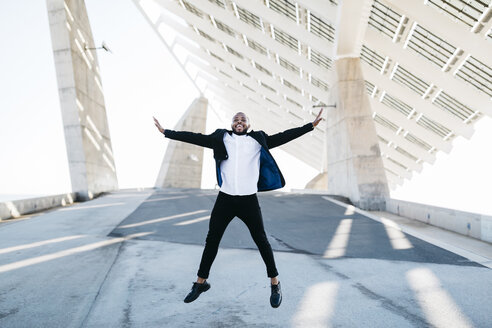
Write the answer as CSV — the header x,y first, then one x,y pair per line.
x,y
393,153
420,105
405,144
410,125
178,10
212,71
246,103
323,8
239,77
241,64
460,90
259,9
230,98
394,179
192,35
397,169
254,34
246,51
456,34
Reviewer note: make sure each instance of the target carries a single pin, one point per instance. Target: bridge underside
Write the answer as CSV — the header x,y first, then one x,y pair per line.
x,y
424,65
424,78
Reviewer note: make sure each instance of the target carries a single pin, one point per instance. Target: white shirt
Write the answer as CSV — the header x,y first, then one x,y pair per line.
x,y
240,172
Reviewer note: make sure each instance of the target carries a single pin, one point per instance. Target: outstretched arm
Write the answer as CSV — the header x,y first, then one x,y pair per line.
x,y
185,136
291,134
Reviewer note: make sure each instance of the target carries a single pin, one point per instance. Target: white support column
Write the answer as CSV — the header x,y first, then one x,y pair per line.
x,y
353,16
354,165
90,156
182,164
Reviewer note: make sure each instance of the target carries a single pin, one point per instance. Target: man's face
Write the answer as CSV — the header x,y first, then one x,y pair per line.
x,y
240,124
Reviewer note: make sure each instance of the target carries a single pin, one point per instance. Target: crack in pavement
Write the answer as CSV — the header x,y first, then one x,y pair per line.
x,y
329,268
393,307
290,248
86,317
10,312
385,302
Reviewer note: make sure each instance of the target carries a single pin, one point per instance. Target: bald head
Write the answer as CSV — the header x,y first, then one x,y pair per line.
x,y
240,123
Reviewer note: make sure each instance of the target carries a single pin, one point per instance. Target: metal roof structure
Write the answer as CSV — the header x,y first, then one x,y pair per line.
x,y
427,65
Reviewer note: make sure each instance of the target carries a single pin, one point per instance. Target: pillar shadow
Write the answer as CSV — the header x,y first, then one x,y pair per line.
x,y
294,222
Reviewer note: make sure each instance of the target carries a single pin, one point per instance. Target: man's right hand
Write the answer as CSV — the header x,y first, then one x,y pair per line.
x,y
318,118
158,125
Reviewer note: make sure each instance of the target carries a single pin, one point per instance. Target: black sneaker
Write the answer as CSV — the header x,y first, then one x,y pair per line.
x,y
196,290
276,297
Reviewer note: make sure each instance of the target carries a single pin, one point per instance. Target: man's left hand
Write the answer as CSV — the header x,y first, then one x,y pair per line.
x,y
318,118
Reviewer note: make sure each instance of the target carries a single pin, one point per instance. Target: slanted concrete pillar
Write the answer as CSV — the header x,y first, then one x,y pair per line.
x,y
354,165
319,182
87,138
182,164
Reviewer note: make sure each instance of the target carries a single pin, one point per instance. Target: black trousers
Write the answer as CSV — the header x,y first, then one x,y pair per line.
x,y
248,210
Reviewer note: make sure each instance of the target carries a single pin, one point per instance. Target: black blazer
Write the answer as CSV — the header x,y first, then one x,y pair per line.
x,y
270,176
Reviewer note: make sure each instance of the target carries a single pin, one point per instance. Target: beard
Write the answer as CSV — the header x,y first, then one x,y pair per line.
x,y
243,132
239,133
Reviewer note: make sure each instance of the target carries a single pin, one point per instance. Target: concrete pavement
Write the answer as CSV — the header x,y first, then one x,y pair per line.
x,y
127,259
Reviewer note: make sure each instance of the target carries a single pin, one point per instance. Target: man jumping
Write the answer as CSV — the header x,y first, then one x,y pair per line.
x,y
244,166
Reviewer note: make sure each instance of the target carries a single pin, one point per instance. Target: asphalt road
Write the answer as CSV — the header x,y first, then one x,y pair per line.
x,y
298,223
127,259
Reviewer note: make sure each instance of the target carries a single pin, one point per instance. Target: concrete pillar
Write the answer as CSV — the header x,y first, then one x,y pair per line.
x,y
354,165
87,138
182,164
319,182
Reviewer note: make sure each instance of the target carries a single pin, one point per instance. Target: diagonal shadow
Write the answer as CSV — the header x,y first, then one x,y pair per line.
x,y
294,222
308,223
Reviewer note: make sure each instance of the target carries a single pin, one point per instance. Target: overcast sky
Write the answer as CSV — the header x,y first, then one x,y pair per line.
x,y
141,79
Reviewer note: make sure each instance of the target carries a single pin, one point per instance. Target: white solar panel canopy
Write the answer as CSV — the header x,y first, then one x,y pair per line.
x,y
427,66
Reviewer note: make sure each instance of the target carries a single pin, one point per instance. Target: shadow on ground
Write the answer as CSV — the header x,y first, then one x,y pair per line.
x,y
297,223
